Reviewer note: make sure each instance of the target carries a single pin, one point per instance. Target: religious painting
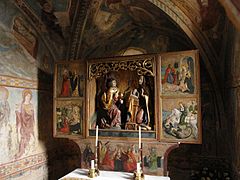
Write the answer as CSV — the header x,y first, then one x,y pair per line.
x,y
18,123
25,121
117,156
69,117
180,120
112,157
179,97
88,154
25,35
179,73
70,80
46,63
153,160
69,98
49,18
121,96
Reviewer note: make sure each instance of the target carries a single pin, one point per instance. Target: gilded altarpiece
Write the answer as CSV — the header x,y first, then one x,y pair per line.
x,y
121,93
158,94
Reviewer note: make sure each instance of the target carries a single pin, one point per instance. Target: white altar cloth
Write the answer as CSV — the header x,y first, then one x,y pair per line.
x,y
82,174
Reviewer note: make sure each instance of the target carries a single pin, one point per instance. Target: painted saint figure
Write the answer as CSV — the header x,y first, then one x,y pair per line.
x,y
88,155
76,83
49,19
5,126
25,35
183,110
75,120
129,160
170,75
4,107
153,159
25,122
65,91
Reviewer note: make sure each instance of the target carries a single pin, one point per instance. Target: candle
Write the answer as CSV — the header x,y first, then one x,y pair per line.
x,y
162,161
92,164
139,140
138,167
96,136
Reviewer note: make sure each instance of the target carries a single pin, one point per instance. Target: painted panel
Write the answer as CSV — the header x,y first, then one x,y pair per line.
x,y
70,80
69,117
119,156
180,119
178,74
179,96
69,104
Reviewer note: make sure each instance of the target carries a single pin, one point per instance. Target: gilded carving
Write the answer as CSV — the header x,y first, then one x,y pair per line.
x,y
142,66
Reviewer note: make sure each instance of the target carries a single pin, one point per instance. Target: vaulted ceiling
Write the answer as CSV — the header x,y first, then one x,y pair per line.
x,y
97,28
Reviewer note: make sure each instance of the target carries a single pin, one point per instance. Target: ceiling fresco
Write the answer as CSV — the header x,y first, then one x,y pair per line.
x,y
96,28
52,19
111,26
117,25
58,11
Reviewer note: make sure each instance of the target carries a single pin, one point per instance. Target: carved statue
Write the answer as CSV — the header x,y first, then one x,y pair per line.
x,y
109,115
138,105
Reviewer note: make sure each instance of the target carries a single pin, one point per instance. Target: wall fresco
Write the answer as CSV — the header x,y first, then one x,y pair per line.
x,y
13,55
19,132
19,48
117,156
19,81
25,35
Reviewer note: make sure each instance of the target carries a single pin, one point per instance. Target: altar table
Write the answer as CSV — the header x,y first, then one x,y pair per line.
x,y
82,174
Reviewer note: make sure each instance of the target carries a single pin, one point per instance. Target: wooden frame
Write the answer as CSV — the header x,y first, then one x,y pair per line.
x,y
69,99
126,71
179,97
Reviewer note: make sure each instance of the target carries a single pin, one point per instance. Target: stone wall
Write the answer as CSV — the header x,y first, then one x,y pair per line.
x,y
233,103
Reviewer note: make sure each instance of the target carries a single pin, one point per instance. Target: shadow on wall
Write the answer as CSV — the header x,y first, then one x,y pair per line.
x,y
192,166
63,155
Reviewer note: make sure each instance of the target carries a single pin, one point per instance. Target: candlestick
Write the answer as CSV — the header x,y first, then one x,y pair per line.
x,y
96,143
138,167
138,174
92,164
139,134
141,155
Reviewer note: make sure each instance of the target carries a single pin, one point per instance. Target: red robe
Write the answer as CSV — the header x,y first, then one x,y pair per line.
x,y
25,122
107,161
130,164
65,91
